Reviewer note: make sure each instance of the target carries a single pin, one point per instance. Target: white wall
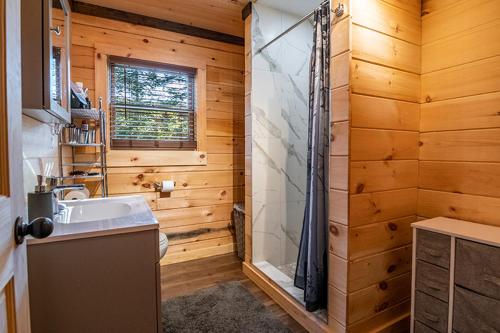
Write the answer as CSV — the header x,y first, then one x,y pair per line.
x,y
40,151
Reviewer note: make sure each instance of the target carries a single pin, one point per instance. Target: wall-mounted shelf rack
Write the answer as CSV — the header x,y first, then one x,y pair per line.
x,y
96,122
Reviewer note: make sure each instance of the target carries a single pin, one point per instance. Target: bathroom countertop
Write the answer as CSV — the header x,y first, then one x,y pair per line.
x,y
140,218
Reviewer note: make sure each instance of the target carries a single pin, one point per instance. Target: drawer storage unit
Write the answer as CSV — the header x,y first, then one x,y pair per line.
x,y
456,277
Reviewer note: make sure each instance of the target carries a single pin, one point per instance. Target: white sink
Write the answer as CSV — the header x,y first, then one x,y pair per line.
x,y
88,210
100,217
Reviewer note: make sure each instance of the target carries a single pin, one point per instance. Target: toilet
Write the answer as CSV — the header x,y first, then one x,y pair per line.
x,y
163,244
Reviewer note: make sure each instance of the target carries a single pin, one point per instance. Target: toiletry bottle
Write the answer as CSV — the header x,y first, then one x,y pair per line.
x,y
85,132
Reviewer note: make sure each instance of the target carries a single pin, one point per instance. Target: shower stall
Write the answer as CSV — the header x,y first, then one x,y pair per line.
x,y
279,135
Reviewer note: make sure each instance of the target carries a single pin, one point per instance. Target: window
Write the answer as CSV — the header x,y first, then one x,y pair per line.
x,y
55,75
152,105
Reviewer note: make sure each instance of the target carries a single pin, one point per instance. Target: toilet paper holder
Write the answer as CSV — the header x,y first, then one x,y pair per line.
x,y
158,186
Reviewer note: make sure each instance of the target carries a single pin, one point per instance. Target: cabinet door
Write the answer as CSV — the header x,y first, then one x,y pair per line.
x,y
46,42
59,51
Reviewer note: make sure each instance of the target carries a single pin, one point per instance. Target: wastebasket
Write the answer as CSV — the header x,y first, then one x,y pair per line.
x,y
239,228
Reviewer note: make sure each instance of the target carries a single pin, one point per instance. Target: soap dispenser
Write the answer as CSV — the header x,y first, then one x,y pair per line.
x,y
41,202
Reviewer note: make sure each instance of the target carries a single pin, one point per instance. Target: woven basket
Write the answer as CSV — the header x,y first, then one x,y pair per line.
x,y
239,228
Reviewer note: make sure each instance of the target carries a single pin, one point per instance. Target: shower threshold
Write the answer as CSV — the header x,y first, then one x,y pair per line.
x,y
283,277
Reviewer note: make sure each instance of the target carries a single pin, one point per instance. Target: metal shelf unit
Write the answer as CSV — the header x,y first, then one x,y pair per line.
x,y
99,116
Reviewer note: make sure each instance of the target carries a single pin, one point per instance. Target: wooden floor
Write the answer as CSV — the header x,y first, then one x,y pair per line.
x,y
187,277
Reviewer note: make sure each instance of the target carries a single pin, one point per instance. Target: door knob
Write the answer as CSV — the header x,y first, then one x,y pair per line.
x,y
40,227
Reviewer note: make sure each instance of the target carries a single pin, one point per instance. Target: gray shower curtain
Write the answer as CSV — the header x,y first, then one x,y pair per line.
x,y
312,270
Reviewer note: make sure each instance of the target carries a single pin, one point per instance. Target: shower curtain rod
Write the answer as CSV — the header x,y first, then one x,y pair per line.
x,y
339,11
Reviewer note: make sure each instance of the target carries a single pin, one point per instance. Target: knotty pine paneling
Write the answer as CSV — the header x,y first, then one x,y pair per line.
x,y
217,15
374,207
445,20
384,113
383,173
388,19
380,236
477,208
197,215
460,118
385,50
373,176
368,302
478,111
379,267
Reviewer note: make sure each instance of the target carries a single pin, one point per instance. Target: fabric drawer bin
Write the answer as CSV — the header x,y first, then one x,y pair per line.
x,y
478,268
431,311
421,328
475,313
433,280
434,248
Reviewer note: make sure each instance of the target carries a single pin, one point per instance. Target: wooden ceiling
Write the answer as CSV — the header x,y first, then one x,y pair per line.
x,y
217,15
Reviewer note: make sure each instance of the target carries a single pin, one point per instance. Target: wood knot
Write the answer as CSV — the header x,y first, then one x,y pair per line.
x,y
99,56
428,99
146,185
223,193
140,176
173,50
133,159
184,184
420,143
498,113
392,226
452,209
145,40
391,268
383,285
213,59
210,214
360,188
334,230
182,41
202,156
381,307
389,158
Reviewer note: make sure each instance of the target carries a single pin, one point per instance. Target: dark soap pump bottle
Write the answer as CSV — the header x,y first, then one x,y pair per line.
x,y
41,202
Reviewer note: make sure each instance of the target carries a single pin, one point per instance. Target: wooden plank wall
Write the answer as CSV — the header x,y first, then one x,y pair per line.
x,y
374,169
339,168
216,15
197,214
459,171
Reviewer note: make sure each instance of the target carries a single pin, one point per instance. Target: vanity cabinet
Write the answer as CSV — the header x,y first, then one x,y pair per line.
x,y
46,46
456,277
108,283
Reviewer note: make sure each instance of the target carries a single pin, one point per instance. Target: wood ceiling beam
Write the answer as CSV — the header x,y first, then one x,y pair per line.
x,y
152,22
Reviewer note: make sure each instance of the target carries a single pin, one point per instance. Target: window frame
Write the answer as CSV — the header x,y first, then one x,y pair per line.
x,y
142,157
152,144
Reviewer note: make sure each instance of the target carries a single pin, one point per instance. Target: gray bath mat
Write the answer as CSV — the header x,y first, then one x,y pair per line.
x,y
227,307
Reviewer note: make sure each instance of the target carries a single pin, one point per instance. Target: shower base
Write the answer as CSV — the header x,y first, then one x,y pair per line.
x,y
283,276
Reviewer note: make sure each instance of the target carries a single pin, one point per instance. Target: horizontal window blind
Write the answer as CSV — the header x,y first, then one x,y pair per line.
x,y
152,105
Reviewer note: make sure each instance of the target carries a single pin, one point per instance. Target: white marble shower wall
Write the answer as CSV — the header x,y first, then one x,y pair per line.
x,y
280,86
